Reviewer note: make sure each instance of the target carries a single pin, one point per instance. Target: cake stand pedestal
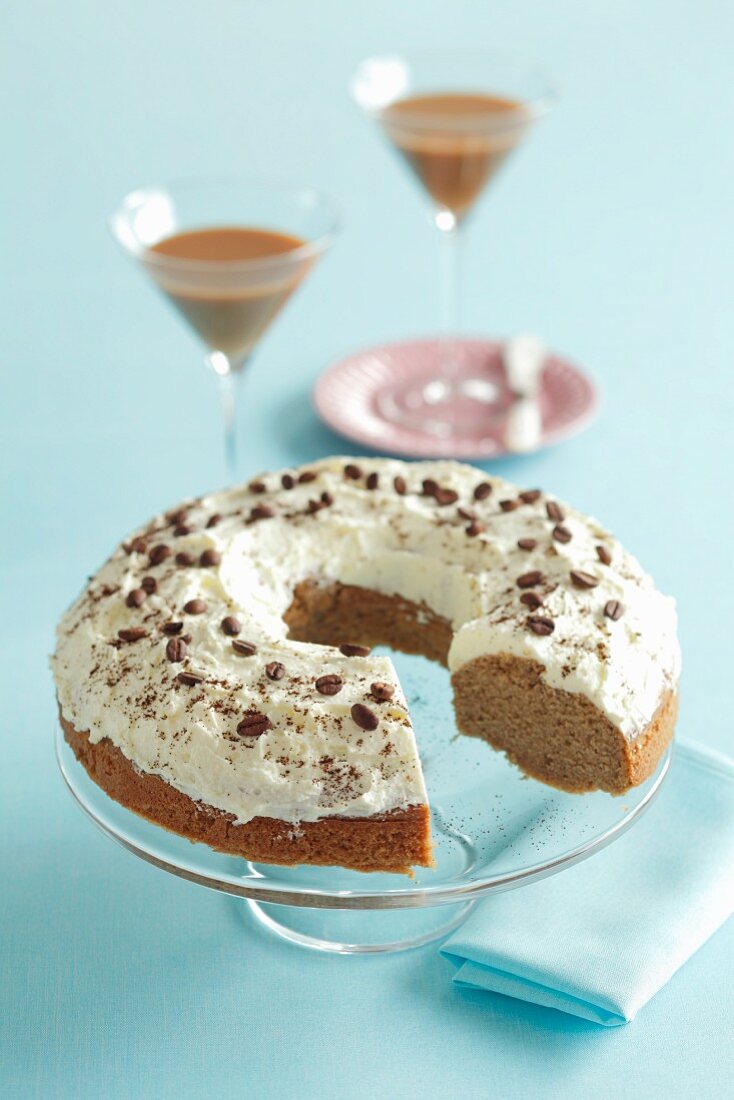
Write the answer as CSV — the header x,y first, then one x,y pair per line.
x,y
359,932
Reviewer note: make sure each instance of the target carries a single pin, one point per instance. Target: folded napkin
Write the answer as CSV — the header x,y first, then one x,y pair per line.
x,y
600,939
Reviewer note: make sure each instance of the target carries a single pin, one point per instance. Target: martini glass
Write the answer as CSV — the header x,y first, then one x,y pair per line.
x,y
227,254
454,121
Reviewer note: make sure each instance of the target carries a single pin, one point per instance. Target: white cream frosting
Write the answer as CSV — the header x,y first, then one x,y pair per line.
x,y
315,761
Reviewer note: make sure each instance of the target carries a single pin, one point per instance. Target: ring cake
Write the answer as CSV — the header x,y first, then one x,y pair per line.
x,y
215,676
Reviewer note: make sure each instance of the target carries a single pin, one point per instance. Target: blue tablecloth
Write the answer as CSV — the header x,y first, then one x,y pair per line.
x,y
608,235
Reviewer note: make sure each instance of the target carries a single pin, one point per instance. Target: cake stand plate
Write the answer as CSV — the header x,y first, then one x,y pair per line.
x,y
493,830
357,399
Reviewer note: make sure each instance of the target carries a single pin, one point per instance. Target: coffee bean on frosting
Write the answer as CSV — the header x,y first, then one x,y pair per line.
x,y
482,490
509,505
527,544
306,476
195,607
231,626
583,580
531,600
614,610
178,517
355,650
254,724
475,528
445,496
191,679
184,559
275,670
159,553
244,649
287,481
132,634
428,487
137,546
314,506
555,512
400,486
529,580
149,585
257,487
561,533
352,471
381,691
260,511
529,496
373,480
365,718
136,597
540,624
326,499
213,520
209,558
331,684
176,650
172,628
604,555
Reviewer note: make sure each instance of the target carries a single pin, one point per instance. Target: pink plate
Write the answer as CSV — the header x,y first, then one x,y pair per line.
x,y
350,395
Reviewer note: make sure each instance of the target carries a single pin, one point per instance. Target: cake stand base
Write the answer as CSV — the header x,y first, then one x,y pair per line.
x,y
360,932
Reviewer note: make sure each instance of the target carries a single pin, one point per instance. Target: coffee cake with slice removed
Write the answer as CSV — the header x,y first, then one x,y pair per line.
x,y
216,674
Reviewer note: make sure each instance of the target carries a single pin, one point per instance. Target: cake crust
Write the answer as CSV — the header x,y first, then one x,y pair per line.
x,y
391,842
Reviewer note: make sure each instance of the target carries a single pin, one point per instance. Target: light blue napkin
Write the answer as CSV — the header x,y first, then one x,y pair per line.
x,y
601,938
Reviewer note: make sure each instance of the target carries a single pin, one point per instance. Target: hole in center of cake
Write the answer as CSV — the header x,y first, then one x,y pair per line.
x,y
337,613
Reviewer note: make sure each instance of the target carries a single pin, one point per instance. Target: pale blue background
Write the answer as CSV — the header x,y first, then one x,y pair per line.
x,y
610,234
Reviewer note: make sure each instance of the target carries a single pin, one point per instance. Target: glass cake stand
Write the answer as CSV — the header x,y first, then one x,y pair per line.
x,y
493,830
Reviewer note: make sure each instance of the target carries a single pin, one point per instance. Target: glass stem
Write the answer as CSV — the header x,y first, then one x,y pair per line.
x,y
448,227
228,393
227,376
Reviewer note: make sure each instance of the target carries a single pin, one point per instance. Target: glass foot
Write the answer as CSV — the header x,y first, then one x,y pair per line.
x,y
463,406
360,932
